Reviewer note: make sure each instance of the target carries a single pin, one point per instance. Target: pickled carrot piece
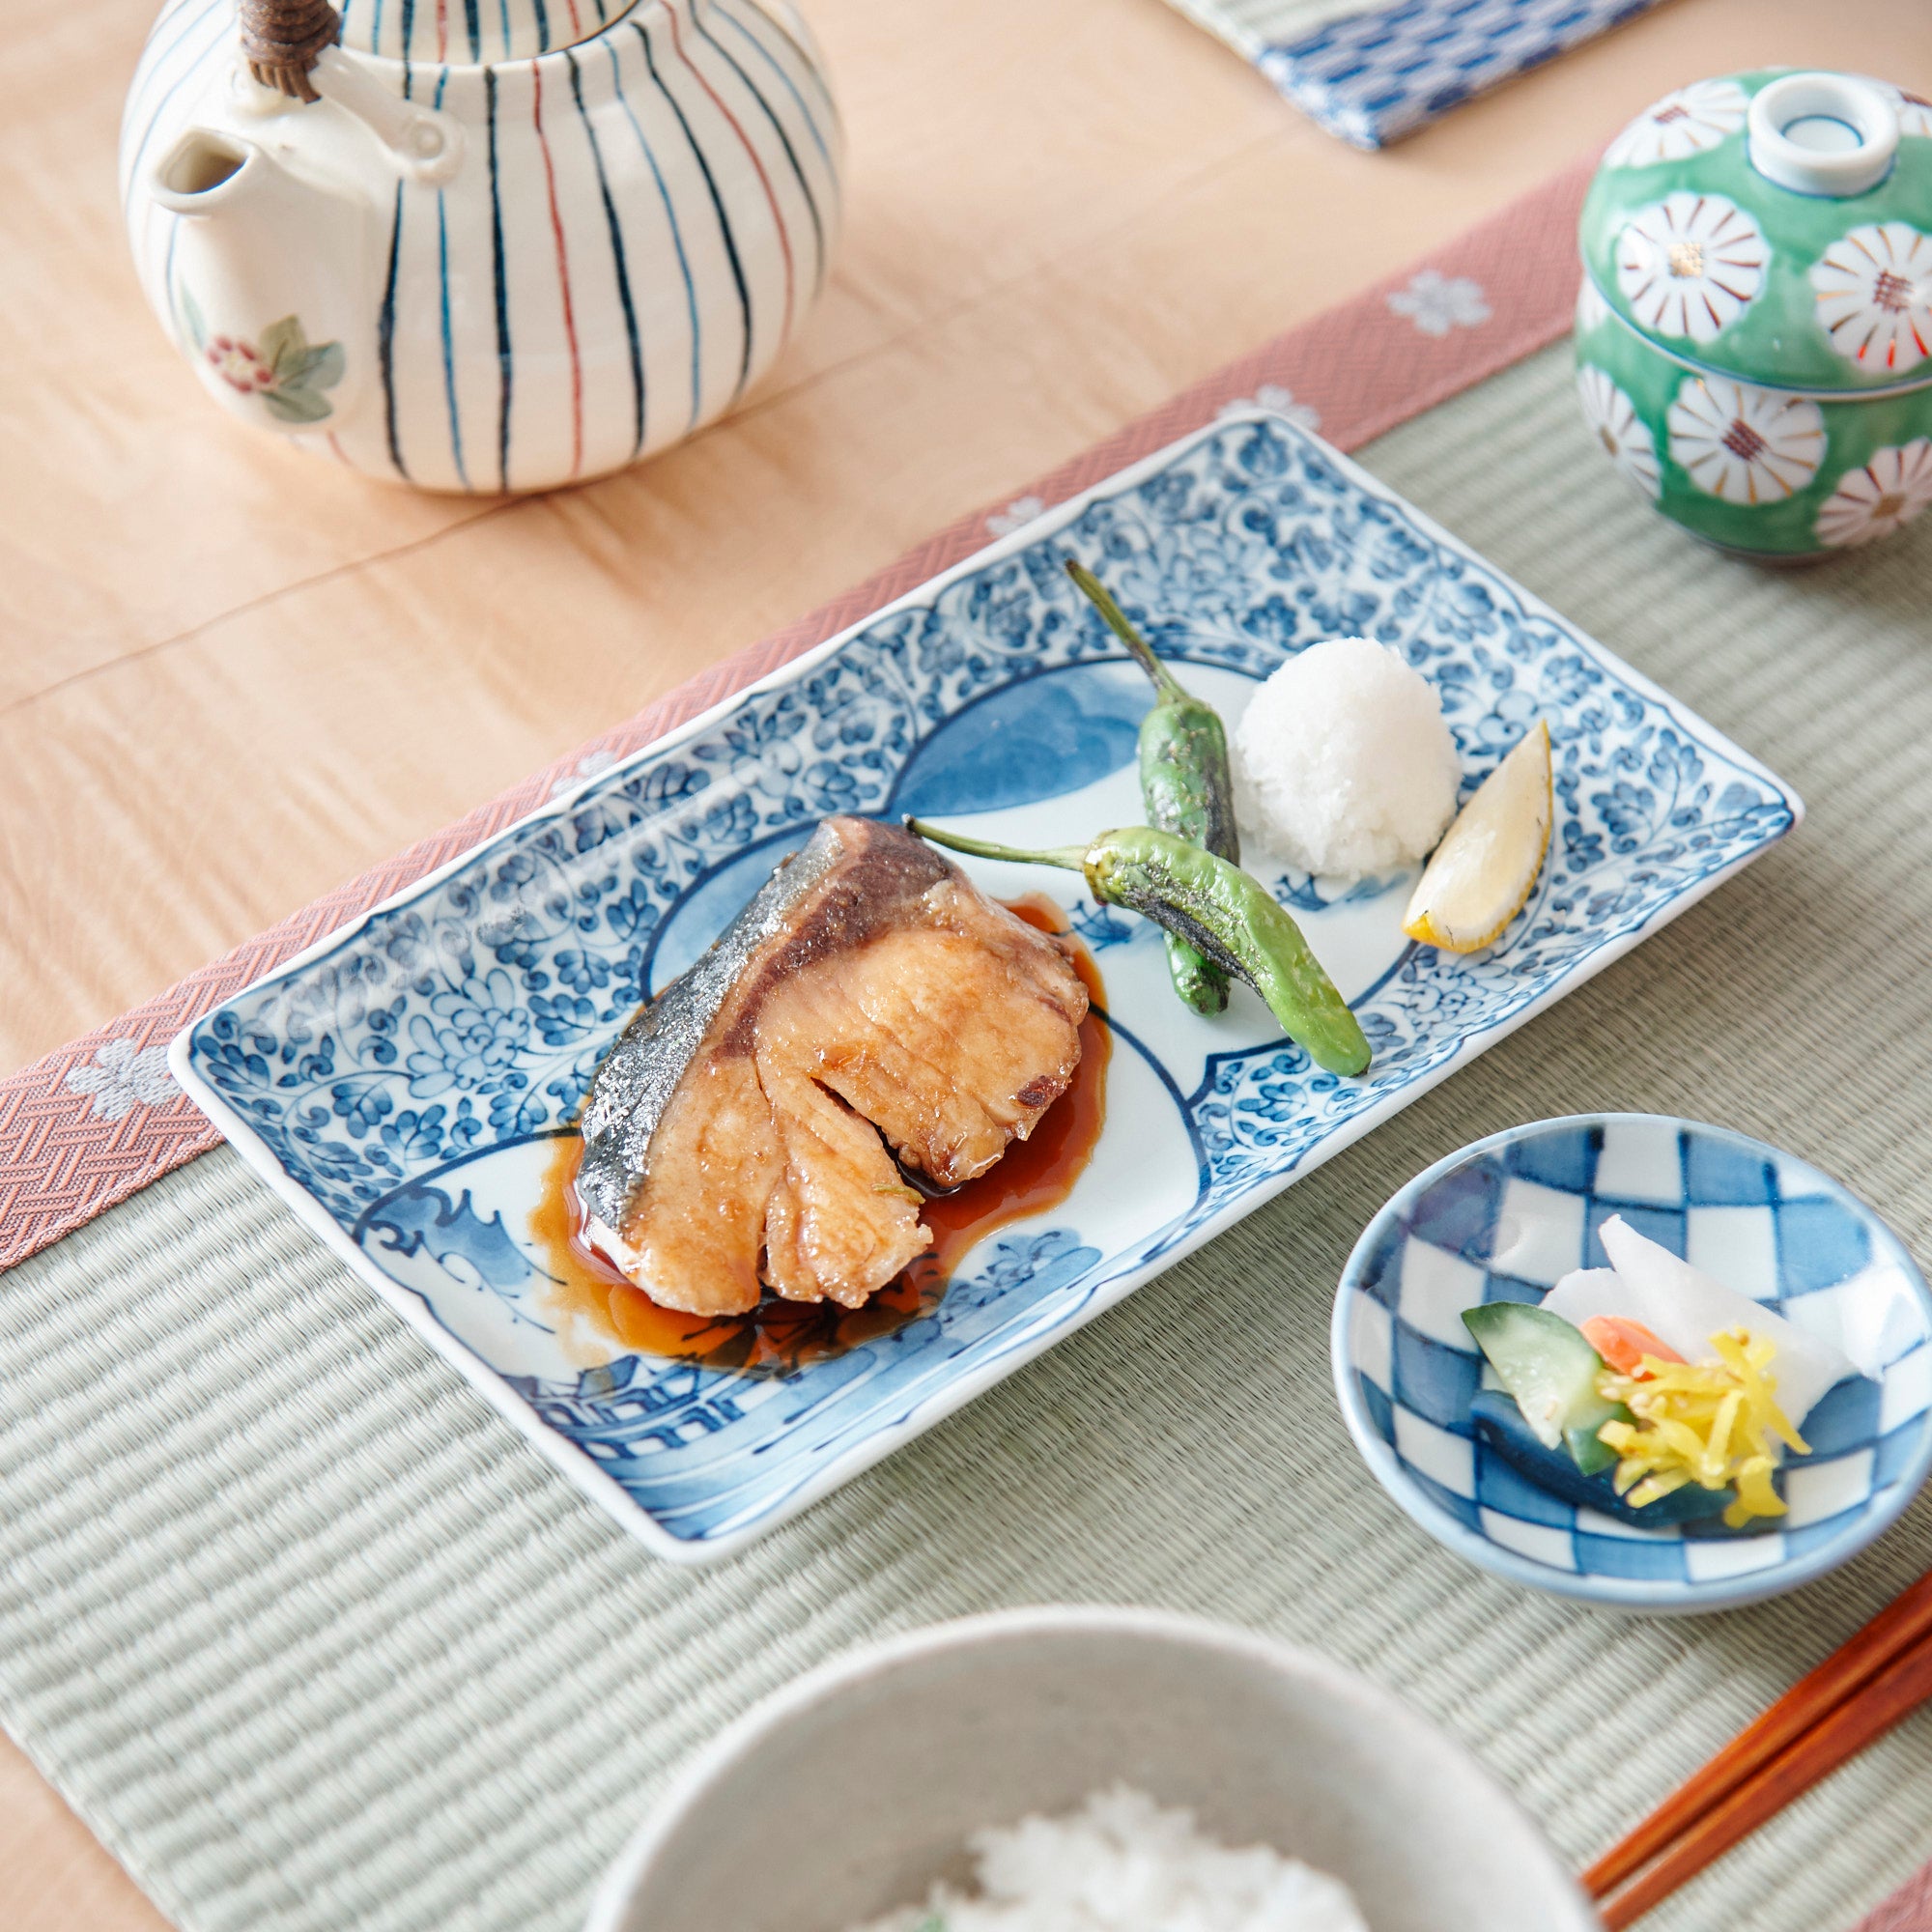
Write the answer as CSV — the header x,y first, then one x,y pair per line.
x,y
1624,1343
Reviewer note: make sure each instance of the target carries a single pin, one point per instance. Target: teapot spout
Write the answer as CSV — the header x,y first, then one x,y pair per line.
x,y
191,176
269,284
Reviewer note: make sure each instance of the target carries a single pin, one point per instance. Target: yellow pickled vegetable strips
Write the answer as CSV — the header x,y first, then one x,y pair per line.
x,y
1749,1365
1714,1423
1755,1494
1722,1426
1652,1487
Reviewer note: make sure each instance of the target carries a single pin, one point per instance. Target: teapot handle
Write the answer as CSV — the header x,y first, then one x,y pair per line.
x,y
290,50
282,39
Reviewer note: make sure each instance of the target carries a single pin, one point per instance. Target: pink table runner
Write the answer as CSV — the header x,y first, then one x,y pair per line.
x,y
92,1122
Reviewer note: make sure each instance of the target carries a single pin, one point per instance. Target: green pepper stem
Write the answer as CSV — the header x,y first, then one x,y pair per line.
x,y
1097,593
1072,857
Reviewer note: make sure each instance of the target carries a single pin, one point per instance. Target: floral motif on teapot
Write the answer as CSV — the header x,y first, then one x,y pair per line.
x,y
282,366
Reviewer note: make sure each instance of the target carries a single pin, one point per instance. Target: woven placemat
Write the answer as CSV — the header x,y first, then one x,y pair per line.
x,y
313,1640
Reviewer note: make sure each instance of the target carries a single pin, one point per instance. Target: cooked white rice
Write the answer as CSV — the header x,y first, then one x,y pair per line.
x,y
1122,1863
1343,763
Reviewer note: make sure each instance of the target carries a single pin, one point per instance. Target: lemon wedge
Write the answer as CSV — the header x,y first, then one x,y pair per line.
x,y
1488,859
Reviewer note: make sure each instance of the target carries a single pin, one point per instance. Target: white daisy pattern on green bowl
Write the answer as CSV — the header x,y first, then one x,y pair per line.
x,y
1690,266
1744,444
1872,502
1915,112
1623,433
1591,307
1685,121
1875,296
1757,268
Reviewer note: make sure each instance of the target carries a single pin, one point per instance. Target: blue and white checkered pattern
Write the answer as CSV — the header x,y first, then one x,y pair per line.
x,y
1378,71
1504,1220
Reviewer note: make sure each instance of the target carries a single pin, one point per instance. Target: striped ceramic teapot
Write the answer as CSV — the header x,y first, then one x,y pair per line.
x,y
481,244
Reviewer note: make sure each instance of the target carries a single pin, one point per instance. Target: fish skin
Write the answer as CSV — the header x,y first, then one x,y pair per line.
x,y
635,1080
751,1036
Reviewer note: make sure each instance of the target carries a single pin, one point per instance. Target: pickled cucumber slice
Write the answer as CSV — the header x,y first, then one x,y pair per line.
x,y
1499,1425
1551,1371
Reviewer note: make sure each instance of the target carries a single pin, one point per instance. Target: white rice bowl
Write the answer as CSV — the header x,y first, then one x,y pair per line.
x,y
1123,1863
1343,764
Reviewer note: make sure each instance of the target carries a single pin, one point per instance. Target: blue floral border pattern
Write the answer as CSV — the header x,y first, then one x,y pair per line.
x,y
470,1014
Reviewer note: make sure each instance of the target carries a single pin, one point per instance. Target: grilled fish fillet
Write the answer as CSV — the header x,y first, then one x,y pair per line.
x,y
732,1135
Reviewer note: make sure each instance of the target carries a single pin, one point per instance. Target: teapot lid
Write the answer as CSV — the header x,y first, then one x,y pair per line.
x,y
1774,226
472,33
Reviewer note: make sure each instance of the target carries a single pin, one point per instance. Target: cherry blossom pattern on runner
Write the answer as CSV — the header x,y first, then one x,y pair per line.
x,y
1690,265
1273,397
1743,445
1614,418
1682,124
1875,296
1871,502
1017,514
1437,302
587,767
122,1076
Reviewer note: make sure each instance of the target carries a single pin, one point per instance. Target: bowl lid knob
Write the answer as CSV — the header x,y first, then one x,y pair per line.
x,y
1822,133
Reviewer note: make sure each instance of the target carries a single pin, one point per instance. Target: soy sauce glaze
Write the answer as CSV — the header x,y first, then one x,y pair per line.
x,y
779,1336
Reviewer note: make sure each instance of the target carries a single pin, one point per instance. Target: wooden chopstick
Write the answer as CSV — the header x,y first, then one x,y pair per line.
x,y
1869,1711
1859,1692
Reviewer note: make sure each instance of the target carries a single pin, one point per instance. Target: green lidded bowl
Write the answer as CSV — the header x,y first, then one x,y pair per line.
x,y
1754,329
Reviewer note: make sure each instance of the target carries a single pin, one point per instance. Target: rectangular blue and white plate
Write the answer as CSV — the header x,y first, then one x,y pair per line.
x,y
401,1084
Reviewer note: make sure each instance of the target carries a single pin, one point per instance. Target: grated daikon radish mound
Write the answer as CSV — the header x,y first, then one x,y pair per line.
x,y
1123,1863
1343,764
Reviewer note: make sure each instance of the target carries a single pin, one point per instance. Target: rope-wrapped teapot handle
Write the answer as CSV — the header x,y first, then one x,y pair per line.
x,y
284,38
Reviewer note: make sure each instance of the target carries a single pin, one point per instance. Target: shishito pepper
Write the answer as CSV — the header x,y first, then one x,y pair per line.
x,y
1222,912
1185,783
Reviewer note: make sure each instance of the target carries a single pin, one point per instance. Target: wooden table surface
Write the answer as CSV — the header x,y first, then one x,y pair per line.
x,y
230,676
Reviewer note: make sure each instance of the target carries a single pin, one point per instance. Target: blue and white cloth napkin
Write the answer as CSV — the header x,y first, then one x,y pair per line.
x,y
1370,71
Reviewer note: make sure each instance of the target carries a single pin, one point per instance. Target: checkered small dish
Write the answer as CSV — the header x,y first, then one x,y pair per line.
x,y
1503,1220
